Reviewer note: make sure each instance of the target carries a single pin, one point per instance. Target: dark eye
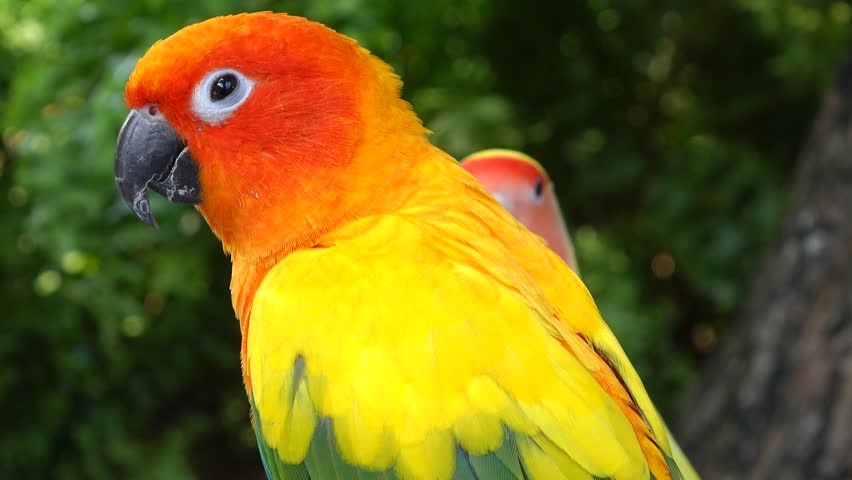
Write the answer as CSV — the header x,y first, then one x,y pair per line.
x,y
539,187
219,94
223,86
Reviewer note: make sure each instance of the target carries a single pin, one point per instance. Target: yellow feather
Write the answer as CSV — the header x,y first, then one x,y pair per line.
x,y
432,458
298,428
478,433
426,329
545,461
363,439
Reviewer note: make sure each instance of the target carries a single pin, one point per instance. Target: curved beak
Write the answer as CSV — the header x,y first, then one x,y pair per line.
x,y
149,153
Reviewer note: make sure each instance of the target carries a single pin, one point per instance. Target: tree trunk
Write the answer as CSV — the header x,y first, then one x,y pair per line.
x,y
776,401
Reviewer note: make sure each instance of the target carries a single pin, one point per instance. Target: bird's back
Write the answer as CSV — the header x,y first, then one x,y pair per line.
x,y
428,342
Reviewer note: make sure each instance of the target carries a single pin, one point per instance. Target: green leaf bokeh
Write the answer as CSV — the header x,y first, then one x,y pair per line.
x,y
670,128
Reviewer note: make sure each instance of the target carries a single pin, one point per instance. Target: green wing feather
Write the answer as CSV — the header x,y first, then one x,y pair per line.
x,y
275,468
324,462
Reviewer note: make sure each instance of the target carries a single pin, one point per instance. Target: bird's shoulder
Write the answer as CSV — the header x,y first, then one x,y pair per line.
x,y
411,338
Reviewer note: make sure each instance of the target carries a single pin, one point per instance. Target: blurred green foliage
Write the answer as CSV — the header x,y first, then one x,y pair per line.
x,y
670,128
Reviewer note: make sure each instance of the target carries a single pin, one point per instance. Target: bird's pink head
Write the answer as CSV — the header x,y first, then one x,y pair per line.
x,y
523,187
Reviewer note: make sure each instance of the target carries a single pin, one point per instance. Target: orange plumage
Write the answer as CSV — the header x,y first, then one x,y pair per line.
x,y
326,99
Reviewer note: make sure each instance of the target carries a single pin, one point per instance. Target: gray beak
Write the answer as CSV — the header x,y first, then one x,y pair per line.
x,y
149,153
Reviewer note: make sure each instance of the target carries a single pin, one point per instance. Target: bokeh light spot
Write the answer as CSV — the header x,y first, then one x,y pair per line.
x,y
663,265
704,337
190,222
154,303
18,196
73,262
47,282
133,325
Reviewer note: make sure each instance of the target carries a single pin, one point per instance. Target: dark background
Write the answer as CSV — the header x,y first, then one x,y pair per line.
x,y
670,128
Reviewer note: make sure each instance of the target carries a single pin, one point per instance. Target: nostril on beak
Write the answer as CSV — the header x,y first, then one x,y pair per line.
x,y
151,110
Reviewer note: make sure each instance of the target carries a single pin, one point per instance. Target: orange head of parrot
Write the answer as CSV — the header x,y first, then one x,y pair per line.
x,y
523,187
265,121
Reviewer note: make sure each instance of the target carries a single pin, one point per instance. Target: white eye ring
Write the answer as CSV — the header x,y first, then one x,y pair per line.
x,y
216,110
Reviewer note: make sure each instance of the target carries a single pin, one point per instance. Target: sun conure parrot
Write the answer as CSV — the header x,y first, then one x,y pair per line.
x,y
397,322
524,188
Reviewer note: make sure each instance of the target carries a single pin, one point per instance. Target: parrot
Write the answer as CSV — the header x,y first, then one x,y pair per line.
x,y
524,188
396,321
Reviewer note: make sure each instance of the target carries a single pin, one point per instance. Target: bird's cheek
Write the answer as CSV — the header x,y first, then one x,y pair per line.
x,y
505,200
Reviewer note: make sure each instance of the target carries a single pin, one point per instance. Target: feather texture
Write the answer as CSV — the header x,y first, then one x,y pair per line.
x,y
432,349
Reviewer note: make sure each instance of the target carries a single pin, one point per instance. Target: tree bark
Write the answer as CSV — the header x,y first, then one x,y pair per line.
x,y
776,400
